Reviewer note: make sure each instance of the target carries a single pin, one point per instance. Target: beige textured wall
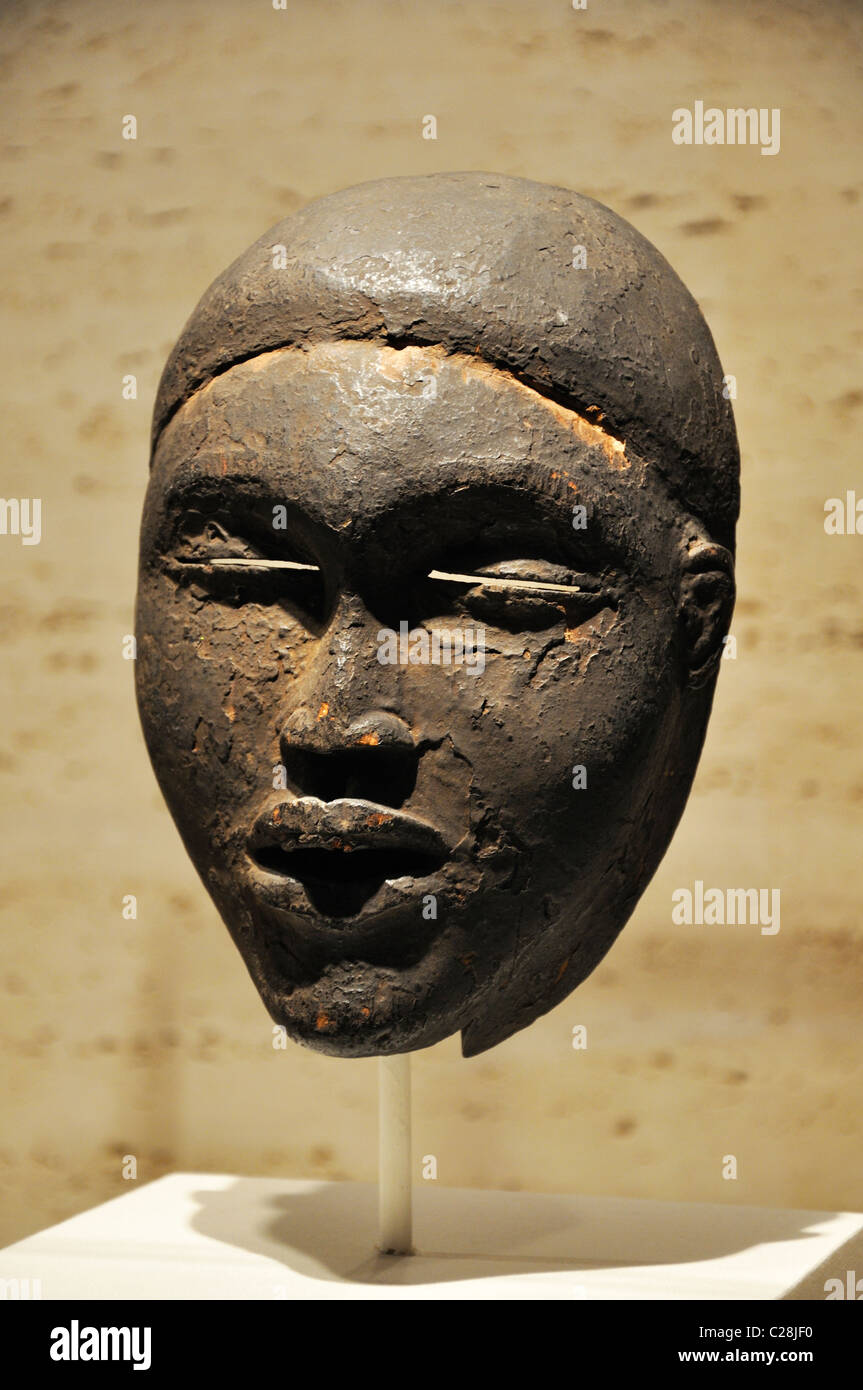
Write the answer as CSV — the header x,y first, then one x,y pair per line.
x,y
146,1037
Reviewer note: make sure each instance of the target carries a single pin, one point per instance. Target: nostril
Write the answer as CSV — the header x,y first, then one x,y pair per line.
x,y
370,773
373,758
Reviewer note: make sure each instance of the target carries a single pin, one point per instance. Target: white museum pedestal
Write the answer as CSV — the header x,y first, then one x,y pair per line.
x,y
211,1236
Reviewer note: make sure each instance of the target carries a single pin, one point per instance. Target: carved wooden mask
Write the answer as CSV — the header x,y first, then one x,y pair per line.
x,y
436,563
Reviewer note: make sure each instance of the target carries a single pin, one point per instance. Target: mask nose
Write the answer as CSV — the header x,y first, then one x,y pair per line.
x,y
373,756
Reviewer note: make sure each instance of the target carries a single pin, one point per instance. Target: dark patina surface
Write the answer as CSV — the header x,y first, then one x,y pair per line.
x,y
463,375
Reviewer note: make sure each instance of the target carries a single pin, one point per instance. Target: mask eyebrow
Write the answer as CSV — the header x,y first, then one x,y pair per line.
x,y
193,488
254,519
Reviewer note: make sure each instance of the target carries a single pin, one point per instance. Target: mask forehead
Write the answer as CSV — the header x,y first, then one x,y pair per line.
x,y
486,265
352,433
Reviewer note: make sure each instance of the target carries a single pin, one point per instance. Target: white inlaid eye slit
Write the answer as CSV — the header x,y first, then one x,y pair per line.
x,y
495,582
250,563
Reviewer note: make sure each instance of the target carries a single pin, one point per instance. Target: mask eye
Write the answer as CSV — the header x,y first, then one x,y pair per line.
x,y
525,595
233,571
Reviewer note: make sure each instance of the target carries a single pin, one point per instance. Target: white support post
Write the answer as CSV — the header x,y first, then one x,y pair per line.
x,y
395,1227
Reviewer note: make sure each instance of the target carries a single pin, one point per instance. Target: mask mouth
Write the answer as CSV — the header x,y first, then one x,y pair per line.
x,y
342,852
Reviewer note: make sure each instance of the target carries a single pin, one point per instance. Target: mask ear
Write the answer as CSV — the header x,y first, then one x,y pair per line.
x,y
706,605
